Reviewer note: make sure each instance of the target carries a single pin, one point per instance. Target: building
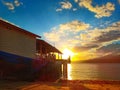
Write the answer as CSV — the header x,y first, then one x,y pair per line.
x,y
44,49
17,41
17,48
23,53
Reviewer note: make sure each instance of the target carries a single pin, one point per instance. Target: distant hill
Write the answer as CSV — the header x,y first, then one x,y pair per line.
x,y
105,59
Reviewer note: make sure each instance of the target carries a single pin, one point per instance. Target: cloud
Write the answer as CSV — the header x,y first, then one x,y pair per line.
x,y
59,9
64,5
79,37
76,1
74,26
17,3
104,10
66,33
12,5
74,9
108,36
53,36
110,33
119,1
113,48
9,5
100,11
84,48
98,39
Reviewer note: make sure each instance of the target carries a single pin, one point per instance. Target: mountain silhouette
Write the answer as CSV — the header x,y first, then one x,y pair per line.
x,y
104,59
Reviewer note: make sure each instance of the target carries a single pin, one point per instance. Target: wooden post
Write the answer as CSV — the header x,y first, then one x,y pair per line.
x,y
69,59
58,55
1,75
65,70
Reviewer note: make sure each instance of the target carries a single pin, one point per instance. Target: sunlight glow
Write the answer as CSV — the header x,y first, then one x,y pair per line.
x,y
69,71
67,53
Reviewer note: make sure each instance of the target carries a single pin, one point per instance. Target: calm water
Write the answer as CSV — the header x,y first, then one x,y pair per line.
x,y
85,71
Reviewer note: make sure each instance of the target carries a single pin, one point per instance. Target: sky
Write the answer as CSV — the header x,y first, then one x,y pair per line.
x,y
88,28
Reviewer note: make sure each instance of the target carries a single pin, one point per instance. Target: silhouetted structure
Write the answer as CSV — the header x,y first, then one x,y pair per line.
x,y
23,55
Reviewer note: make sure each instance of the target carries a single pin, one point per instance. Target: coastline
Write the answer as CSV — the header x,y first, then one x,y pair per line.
x,y
60,85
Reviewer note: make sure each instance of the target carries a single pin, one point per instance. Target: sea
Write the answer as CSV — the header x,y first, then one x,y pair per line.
x,y
94,71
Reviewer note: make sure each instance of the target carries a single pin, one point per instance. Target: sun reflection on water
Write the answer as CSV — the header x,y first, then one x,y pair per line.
x,y
69,72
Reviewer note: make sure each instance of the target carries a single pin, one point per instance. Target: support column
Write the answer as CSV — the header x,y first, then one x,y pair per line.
x,y
58,55
65,70
1,75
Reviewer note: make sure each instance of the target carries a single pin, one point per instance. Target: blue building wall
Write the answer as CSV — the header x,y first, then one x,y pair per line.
x,y
12,58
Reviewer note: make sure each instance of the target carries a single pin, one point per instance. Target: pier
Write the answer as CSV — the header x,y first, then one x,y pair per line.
x,y
25,56
64,67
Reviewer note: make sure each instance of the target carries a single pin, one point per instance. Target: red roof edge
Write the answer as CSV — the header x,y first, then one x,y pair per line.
x,y
9,25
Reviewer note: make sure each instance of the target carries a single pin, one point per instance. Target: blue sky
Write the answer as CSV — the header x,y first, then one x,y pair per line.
x,y
87,27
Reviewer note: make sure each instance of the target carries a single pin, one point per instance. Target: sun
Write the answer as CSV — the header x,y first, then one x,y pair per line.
x,y
67,53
